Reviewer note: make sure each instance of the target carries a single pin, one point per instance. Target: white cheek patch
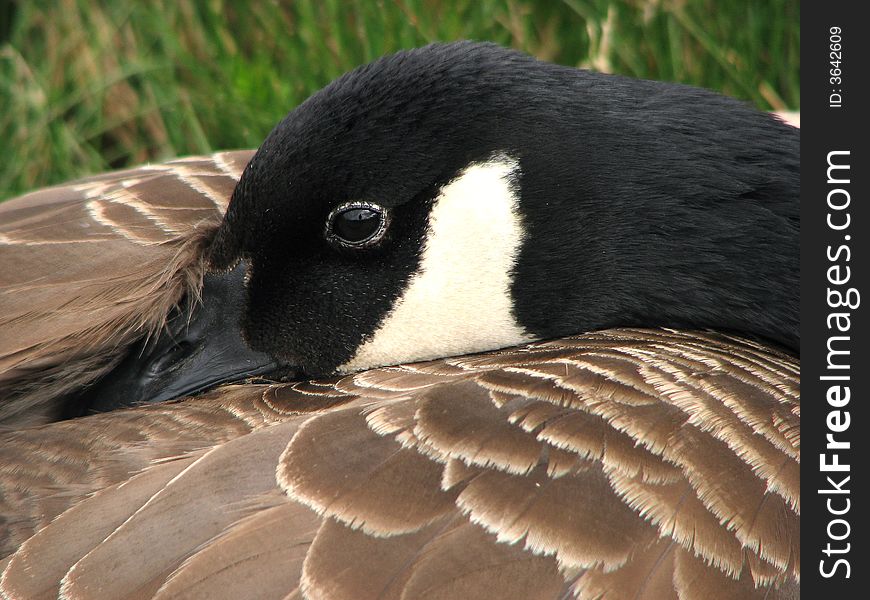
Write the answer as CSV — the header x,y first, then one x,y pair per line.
x,y
459,299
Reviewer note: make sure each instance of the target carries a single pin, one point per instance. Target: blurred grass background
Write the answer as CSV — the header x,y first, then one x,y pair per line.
x,y
89,85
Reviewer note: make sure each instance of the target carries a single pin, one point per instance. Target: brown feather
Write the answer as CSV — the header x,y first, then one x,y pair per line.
x,y
37,574
160,534
260,555
623,463
89,267
379,486
460,421
647,576
417,493
466,562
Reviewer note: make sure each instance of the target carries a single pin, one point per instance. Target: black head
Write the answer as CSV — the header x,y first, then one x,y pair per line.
x,y
464,197
386,137
636,203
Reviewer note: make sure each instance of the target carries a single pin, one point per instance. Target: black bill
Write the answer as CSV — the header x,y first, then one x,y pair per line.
x,y
193,352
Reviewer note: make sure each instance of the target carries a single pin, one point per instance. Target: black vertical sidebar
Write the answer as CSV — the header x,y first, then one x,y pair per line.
x,y
835,299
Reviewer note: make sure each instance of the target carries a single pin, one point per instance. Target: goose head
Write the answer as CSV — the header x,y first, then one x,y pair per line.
x,y
464,197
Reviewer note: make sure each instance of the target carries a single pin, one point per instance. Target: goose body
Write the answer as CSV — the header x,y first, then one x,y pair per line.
x,y
404,274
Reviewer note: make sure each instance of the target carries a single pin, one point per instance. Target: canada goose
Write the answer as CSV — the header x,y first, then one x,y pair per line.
x,y
619,463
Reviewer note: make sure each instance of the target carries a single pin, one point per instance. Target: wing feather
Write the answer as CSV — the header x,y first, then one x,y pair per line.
x,y
263,552
172,524
618,464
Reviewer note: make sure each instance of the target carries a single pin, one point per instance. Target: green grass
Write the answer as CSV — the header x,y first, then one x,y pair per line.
x,y
87,86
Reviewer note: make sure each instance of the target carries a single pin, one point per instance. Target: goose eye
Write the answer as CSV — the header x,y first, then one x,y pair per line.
x,y
356,224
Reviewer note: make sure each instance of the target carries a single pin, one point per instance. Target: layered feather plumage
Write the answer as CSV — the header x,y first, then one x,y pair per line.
x,y
618,464
626,463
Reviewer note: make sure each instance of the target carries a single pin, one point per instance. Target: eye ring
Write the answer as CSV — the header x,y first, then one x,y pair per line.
x,y
371,239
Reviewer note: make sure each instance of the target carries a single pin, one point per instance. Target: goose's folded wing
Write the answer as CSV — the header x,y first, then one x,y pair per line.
x,y
621,464
89,266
